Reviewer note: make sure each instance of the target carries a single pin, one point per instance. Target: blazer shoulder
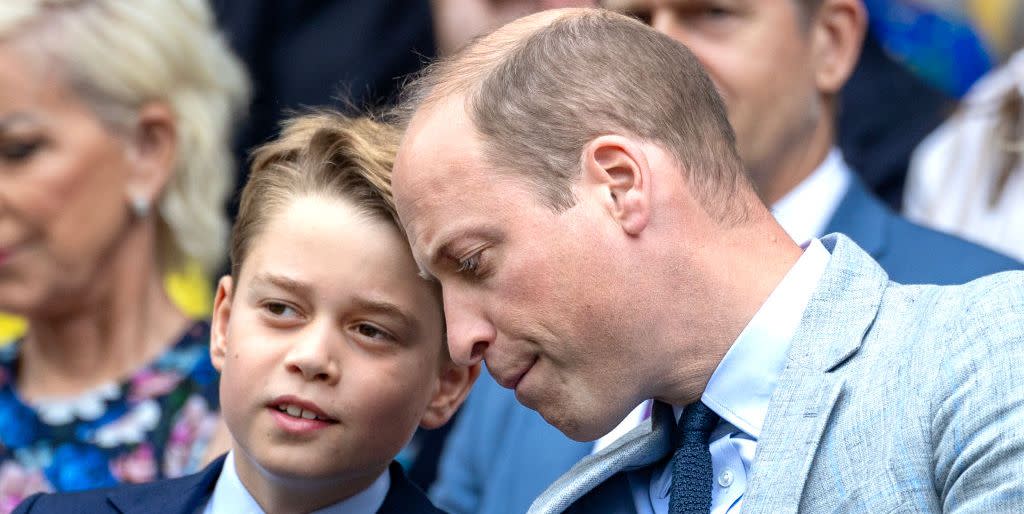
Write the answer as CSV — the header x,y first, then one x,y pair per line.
x,y
947,258
405,497
176,495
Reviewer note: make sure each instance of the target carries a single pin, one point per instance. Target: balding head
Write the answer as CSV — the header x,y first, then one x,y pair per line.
x,y
540,88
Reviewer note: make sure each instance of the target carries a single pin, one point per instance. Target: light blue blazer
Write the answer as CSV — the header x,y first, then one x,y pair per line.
x,y
501,455
894,399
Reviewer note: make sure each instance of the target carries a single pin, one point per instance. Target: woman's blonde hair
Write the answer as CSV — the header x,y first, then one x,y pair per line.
x,y
117,55
320,153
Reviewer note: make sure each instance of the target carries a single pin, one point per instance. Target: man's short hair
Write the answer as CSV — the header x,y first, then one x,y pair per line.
x,y
537,91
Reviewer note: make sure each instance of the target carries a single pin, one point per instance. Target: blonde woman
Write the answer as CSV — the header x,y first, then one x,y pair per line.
x,y
968,176
115,120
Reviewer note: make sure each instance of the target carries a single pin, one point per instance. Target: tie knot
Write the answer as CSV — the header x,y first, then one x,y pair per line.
x,y
697,419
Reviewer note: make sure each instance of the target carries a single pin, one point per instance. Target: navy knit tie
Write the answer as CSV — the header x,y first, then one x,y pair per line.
x,y
691,463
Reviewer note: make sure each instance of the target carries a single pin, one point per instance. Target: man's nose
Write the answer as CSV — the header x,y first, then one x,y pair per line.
x,y
312,354
470,333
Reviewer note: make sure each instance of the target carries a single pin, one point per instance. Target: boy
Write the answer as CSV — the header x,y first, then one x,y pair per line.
x,y
330,346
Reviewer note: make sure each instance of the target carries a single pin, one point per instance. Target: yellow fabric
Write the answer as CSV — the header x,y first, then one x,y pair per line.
x,y
190,290
1000,21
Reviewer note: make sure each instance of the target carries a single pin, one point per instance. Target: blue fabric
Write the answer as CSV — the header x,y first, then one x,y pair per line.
x,y
501,455
691,462
910,253
189,494
155,424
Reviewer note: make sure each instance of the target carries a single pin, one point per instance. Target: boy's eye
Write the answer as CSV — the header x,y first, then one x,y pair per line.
x,y
373,332
279,309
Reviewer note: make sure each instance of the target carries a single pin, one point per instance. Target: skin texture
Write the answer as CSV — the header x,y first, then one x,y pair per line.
x,y
73,259
345,323
633,293
777,68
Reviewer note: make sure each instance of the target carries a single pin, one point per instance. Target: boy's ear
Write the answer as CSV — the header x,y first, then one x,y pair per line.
x,y
219,323
615,168
452,389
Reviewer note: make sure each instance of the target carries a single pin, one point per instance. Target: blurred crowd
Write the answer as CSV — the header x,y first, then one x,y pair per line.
x,y
125,129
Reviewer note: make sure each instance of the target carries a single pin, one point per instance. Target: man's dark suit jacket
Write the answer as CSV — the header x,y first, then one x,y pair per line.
x,y
190,494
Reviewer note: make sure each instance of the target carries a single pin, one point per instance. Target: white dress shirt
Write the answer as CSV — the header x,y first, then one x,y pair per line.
x,y
739,391
804,213
231,497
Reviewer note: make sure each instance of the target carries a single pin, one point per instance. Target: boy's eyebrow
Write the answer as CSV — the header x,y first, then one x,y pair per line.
x,y
387,308
283,282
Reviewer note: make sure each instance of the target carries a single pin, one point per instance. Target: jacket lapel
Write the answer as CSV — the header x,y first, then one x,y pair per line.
x,y
641,447
185,495
832,330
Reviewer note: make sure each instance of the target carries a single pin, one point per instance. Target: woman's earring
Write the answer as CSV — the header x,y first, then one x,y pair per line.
x,y
140,206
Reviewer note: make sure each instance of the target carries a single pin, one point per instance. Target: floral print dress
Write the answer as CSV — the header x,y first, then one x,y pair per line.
x,y
154,425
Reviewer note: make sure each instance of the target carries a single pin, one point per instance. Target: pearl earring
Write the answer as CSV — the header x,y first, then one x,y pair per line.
x,y
140,206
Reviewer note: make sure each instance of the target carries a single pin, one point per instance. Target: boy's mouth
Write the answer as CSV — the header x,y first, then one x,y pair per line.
x,y
298,408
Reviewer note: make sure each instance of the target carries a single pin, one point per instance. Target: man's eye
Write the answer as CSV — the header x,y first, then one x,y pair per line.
x,y
470,264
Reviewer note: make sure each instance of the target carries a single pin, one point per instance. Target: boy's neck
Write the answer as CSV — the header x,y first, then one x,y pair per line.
x,y
297,495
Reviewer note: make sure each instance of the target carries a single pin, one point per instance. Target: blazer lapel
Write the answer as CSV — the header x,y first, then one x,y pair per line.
x,y
641,447
832,330
185,495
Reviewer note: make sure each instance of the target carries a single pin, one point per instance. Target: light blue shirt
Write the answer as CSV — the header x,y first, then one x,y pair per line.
x,y
739,391
231,497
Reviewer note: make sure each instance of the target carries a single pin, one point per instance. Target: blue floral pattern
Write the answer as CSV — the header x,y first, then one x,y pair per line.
x,y
155,425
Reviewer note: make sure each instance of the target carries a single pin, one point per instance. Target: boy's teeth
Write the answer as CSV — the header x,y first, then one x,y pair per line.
x,y
297,412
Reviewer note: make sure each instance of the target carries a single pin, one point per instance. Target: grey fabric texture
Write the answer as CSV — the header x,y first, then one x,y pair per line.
x,y
894,399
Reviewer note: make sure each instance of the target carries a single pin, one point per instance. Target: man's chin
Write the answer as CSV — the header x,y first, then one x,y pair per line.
x,y
575,428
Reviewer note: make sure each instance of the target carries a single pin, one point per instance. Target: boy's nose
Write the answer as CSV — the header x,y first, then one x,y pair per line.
x,y
312,357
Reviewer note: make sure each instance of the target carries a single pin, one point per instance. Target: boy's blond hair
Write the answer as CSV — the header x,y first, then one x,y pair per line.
x,y
321,153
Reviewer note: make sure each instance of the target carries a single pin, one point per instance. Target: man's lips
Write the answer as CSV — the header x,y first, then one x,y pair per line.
x,y
512,380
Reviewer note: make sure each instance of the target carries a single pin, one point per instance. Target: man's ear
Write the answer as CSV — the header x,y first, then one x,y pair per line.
x,y
152,149
219,323
453,386
837,35
616,170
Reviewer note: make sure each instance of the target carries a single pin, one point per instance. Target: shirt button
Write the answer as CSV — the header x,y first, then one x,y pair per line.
x,y
725,479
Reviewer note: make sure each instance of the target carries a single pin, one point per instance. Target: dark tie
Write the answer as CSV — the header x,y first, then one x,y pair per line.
x,y
691,462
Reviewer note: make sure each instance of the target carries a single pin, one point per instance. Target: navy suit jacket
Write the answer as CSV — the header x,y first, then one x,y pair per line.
x,y
501,455
190,494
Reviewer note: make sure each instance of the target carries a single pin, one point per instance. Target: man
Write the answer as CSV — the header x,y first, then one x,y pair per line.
x,y
571,180
779,65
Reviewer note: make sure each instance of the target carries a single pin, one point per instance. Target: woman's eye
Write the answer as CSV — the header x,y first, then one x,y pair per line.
x,y
19,151
470,264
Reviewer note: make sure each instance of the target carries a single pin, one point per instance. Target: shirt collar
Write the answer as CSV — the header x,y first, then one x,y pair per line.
x,y
743,383
230,495
806,210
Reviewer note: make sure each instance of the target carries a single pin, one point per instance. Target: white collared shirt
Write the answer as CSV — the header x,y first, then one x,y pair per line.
x,y
804,213
231,497
739,391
